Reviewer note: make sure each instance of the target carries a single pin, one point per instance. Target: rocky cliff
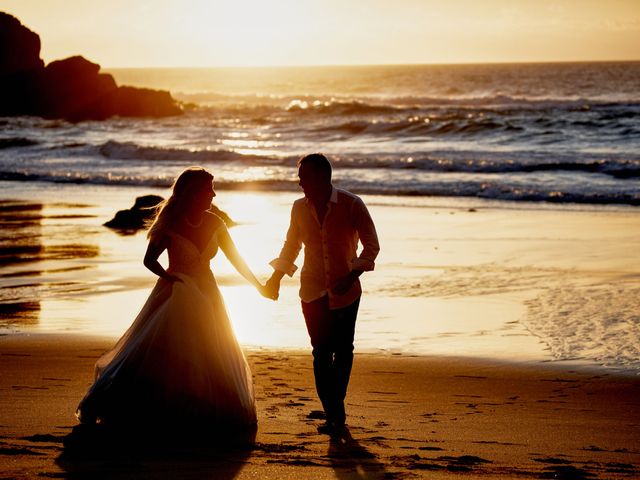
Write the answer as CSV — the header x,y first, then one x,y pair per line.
x,y
72,88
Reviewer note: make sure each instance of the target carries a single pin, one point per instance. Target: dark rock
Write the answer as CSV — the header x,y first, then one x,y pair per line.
x,y
72,88
20,67
19,93
71,68
137,102
19,46
143,210
135,218
147,201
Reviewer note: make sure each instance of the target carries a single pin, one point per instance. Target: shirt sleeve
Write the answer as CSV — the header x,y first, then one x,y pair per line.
x,y
363,224
290,250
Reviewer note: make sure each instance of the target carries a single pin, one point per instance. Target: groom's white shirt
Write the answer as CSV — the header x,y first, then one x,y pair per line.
x,y
330,249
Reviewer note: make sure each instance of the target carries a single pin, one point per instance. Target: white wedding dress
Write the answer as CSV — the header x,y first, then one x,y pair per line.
x,y
179,363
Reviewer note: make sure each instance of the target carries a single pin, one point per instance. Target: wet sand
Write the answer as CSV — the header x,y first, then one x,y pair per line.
x,y
463,287
408,417
454,277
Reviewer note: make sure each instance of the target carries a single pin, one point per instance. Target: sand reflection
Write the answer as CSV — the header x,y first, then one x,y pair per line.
x,y
38,247
60,270
19,243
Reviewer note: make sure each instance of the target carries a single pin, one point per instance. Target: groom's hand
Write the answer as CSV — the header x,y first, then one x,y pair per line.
x,y
272,287
266,292
344,284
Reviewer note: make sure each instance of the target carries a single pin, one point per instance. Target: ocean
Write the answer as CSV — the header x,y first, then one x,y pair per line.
x,y
560,132
505,195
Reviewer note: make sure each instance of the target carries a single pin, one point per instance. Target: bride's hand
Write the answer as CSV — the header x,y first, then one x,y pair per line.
x,y
266,292
172,278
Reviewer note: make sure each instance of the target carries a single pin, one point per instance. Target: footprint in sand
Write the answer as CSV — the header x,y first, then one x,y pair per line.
x,y
624,468
6,449
463,463
44,438
567,472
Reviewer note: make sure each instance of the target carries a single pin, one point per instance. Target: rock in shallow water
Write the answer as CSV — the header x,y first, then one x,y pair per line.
x,y
143,209
135,217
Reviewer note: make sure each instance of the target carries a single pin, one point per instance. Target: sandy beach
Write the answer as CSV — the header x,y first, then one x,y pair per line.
x,y
409,417
458,373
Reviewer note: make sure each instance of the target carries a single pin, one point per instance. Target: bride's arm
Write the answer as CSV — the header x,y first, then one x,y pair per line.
x,y
231,252
154,250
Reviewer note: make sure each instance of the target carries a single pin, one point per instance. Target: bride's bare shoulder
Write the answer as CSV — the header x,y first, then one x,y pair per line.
x,y
214,221
160,236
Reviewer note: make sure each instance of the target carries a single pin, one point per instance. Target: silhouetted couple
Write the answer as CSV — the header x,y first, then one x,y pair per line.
x,y
179,364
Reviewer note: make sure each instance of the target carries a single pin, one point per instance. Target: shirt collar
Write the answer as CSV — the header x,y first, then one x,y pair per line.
x,y
334,195
333,198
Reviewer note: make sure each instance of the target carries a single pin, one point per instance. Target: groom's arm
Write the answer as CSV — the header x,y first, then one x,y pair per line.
x,y
365,262
368,236
284,264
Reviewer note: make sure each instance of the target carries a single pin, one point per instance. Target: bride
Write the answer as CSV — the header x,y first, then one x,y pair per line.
x,y
179,364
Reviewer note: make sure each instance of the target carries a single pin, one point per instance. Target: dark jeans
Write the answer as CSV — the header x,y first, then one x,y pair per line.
x,y
331,333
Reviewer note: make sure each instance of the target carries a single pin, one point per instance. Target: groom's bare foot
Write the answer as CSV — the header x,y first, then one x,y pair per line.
x,y
332,429
317,415
326,428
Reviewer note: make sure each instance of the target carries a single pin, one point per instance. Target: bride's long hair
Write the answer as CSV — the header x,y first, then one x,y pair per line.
x,y
170,210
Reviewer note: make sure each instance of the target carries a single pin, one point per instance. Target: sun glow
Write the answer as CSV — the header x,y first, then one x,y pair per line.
x,y
243,32
258,236
259,232
205,33
260,31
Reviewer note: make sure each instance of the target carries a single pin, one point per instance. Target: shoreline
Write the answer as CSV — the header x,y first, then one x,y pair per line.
x,y
386,199
407,417
478,281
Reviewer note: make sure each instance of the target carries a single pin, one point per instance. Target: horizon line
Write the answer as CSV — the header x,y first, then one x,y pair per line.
x,y
416,64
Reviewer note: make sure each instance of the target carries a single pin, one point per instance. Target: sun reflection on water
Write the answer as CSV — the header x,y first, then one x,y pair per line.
x,y
261,322
115,289
102,295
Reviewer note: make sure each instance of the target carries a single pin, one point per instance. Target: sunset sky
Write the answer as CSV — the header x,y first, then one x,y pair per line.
x,y
182,33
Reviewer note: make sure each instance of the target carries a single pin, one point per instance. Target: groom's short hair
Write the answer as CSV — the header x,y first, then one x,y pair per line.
x,y
318,162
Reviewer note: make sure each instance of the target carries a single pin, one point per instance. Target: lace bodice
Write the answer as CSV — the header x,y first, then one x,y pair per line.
x,y
185,257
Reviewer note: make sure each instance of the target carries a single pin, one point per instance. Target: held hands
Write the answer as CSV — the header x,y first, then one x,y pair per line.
x,y
272,288
267,292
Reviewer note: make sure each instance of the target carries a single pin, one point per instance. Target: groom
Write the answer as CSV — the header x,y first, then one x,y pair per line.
x,y
328,222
